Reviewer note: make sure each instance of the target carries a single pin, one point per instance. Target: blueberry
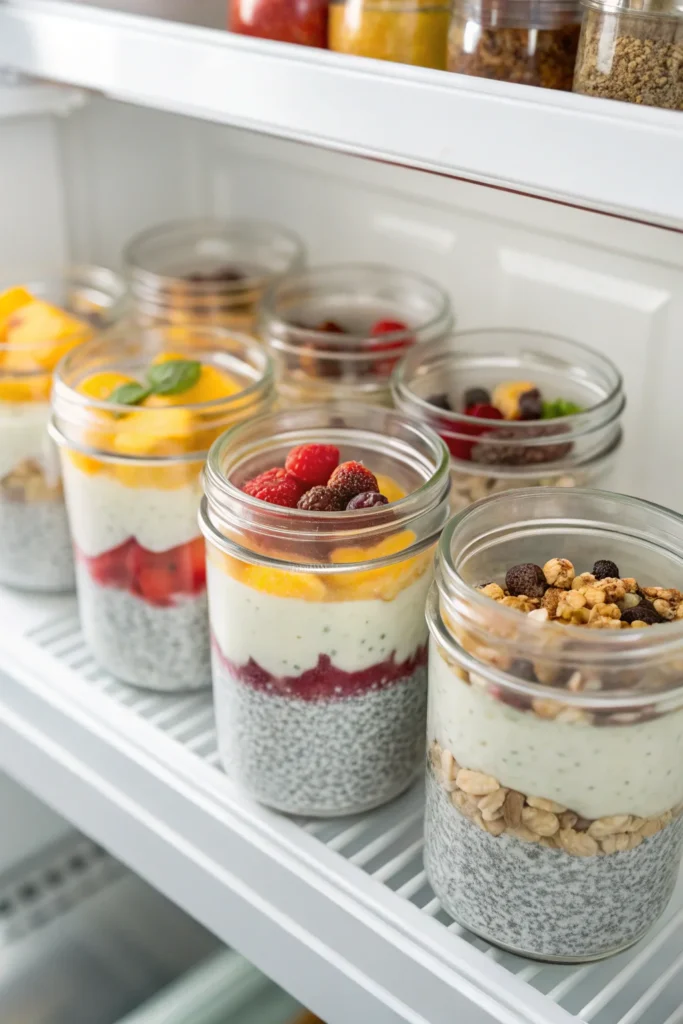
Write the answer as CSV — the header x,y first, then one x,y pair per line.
x,y
604,569
526,579
477,396
368,499
530,405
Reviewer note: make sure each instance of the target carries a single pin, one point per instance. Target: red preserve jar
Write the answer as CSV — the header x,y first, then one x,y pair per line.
x,y
288,21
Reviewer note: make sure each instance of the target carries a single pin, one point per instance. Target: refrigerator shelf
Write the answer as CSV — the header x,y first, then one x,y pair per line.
x,y
339,912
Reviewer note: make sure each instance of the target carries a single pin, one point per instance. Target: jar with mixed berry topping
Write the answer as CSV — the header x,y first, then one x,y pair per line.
x,y
288,21
39,323
208,270
135,411
555,723
320,526
337,333
516,408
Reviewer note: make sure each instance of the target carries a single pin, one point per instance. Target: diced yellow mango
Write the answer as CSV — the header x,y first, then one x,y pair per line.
x,y
389,546
154,432
389,488
506,397
10,301
38,335
28,388
280,583
100,385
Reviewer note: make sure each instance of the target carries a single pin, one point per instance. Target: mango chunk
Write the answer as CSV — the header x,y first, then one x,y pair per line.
x,y
100,385
38,335
280,583
10,301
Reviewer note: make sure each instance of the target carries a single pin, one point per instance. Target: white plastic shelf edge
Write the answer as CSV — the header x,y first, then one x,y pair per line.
x,y
593,153
29,100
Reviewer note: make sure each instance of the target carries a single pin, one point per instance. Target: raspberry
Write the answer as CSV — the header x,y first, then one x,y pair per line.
x,y
352,478
383,367
484,412
276,486
367,499
312,463
458,446
387,327
321,499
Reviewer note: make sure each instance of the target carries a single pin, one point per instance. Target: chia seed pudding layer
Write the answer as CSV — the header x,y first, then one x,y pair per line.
x,y
321,756
157,648
35,546
541,902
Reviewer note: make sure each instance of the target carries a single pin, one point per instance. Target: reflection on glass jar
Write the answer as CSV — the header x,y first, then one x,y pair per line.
x,y
405,31
516,409
207,270
288,21
516,40
317,615
134,413
39,323
632,52
338,332
555,771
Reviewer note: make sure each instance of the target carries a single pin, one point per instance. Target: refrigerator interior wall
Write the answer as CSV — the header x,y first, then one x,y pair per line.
x,y
28,825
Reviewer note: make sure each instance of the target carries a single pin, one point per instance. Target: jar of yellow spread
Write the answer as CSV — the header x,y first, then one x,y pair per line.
x,y
413,32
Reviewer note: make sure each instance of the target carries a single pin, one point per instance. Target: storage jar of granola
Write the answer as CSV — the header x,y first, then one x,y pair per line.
x,y
207,270
337,333
532,42
555,722
632,50
316,601
39,323
516,409
405,31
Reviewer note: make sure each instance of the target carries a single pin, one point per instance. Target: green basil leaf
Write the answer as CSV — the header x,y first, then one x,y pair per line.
x,y
131,393
173,377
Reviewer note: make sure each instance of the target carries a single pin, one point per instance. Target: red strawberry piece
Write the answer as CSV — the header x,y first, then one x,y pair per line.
x,y
156,585
387,327
367,499
383,367
277,487
459,447
321,499
197,565
352,478
313,463
482,411
114,568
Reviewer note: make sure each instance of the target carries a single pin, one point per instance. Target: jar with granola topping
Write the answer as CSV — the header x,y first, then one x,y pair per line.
x,y
39,323
336,333
533,42
207,270
555,722
516,408
404,31
320,526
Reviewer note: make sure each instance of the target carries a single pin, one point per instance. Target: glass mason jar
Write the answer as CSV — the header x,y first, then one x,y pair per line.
x,y
488,456
39,322
405,31
317,618
562,838
288,21
632,50
208,270
532,42
336,333
132,482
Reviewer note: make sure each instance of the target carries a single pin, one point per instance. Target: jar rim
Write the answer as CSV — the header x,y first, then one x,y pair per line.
x,y
652,9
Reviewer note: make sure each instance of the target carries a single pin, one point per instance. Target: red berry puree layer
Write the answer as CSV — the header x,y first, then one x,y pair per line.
x,y
158,577
325,681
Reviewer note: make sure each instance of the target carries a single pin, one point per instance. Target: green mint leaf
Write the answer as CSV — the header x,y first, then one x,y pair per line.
x,y
131,393
173,377
560,407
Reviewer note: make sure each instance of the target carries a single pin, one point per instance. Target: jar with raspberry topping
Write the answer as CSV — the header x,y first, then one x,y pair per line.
x,y
320,526
40,322
516,408
287,21
208,270
336,333
555,722
135,411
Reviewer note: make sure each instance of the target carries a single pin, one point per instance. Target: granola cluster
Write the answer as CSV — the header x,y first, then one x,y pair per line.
x,y
27,483
601,599
533,819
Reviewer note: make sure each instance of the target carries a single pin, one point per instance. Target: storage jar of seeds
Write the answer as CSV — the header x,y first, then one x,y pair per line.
x,y
632,50
532,43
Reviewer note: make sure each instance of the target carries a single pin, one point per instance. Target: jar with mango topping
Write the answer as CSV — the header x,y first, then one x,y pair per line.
x,y
404,31
555,723
134,412
207,270
516,408
39,323
336,333
320,526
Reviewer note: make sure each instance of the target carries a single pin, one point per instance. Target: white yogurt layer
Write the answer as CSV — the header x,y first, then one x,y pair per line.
x,y
23,435
103,512
593,770
286,635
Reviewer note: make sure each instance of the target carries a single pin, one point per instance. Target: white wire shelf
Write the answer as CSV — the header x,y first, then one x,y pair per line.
x,y
339,912
598,154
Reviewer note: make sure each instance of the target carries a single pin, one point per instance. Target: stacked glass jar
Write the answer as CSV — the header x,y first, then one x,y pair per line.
x,y
406,31
317,610
516,409
207,270
135,412
39,323
555,777
337,333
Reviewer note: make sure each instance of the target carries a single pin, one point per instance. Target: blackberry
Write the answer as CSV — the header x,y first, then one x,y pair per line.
x,y
604,569
643,612
477,396
321,499
531,405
